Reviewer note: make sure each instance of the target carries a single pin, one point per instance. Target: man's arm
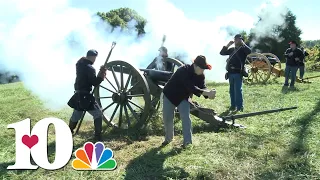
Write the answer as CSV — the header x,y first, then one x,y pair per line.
x,y
182,75
95,80
226,50
301,55
202,86
152,65
286,54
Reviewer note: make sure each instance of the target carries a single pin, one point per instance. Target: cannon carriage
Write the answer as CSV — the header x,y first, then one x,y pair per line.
x,y
263,66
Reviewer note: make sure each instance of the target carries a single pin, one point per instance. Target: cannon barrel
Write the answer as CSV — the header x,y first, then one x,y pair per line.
x,y
238,116
158,75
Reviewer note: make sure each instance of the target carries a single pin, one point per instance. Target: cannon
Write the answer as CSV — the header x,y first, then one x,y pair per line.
x,y
130,96
262,66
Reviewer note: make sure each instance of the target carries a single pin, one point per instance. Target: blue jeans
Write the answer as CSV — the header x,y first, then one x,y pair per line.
x,y
235,82
168,115
290,72
301,70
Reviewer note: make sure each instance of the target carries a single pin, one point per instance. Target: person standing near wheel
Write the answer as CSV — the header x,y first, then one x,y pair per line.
x,y
187,80
302,63
293,56
235,70
158,63
83,100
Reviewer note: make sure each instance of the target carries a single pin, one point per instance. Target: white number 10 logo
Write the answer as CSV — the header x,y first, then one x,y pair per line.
x,y
36,144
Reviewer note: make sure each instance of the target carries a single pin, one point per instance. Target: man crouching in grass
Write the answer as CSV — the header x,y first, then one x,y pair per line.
x,y
187,80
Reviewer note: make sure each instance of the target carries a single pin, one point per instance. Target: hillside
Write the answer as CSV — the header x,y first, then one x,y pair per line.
x,y
275,146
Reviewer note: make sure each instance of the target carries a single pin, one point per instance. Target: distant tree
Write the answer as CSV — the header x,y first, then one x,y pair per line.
x,y
310,43
121,17
277,40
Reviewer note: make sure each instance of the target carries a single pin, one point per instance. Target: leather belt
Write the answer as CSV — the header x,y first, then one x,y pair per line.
x,y
81,91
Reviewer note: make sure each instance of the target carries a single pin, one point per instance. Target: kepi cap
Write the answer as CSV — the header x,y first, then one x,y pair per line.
x,y
201,61
92,52
238,36
164,49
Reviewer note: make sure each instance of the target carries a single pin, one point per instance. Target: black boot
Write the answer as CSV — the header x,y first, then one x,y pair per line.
x,y
72,125
98,128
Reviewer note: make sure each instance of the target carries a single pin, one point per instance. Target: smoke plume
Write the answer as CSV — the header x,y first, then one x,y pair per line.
x,y
271,14
42,41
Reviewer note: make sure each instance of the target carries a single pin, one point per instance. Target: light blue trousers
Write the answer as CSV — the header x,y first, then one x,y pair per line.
x,y
168,115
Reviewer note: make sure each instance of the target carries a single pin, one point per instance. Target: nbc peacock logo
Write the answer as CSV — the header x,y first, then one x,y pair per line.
x,y
94,157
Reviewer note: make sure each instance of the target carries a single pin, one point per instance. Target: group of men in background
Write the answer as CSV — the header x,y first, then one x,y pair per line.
x,y
295,59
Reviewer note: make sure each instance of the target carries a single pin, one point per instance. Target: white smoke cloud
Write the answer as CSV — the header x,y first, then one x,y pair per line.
x,y
272,14
42,40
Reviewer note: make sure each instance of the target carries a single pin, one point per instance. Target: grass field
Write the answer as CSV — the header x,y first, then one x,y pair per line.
x,y
282,145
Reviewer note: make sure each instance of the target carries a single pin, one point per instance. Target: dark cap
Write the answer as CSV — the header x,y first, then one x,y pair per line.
x,y
201,61
293,42
92,52
164,49
238,36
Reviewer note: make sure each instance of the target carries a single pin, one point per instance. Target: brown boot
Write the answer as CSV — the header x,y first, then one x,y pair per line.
x,y
72,125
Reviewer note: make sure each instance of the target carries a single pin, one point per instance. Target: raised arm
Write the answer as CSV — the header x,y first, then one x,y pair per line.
x,y
226,51
286,54
95,81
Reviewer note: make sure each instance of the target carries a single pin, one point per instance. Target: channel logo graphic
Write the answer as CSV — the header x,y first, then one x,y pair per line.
x,y
94,157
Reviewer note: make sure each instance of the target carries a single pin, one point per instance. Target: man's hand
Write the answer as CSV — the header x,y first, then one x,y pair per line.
x,y
103,72
103,69
211,94
291,54
230,43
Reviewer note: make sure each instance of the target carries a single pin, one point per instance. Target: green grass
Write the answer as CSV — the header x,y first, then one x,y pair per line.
x,y
282,145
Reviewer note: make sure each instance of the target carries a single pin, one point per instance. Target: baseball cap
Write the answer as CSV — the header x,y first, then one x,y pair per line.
x,y
92,52
201,61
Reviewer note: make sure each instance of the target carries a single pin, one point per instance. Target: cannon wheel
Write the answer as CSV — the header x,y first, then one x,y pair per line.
x,y
177,63
259,69
124,113
276,68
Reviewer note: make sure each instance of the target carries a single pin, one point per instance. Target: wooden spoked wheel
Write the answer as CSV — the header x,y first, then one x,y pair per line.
x,y
275,64
125,104
259,68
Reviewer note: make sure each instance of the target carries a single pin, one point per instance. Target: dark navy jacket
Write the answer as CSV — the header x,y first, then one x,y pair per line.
x,y
86,76
183,83
237,59
290,60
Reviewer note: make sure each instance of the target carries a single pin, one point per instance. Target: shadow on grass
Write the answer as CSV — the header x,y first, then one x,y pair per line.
x,y
5,173
296,162
150,165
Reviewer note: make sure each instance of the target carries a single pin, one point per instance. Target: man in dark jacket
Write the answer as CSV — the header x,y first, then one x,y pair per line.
x,y
187,80
235,67
158,63
301,63
83,100
293,56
